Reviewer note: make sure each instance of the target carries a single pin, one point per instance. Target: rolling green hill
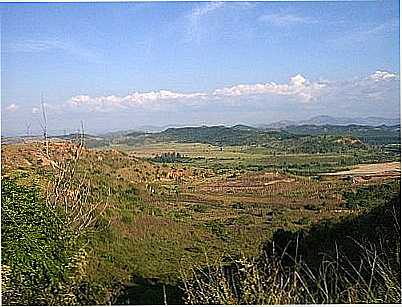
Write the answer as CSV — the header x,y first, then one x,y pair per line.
x,y
380,135
293,139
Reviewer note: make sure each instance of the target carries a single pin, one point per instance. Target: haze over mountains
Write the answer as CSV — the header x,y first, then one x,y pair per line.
x,y
310,137
322,120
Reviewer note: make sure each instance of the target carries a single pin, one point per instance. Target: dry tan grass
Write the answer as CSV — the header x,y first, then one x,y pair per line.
x,y
389,168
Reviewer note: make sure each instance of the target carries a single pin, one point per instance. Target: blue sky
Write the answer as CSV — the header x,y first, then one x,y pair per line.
x,y
124,65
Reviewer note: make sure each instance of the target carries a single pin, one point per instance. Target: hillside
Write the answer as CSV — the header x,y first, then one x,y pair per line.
x,y
222,136
379,135
292,139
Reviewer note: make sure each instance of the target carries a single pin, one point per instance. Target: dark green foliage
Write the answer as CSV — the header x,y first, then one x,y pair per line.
x,y
170,157
367,134
372,195
320,144
35,245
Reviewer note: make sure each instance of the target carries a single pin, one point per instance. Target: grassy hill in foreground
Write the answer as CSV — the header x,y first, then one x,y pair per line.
x,y
146,224
356,260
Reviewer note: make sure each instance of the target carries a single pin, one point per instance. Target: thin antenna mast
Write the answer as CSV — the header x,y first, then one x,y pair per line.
x,y
28,133
44,117
44,126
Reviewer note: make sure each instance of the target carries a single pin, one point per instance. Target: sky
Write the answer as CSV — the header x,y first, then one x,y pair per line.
x,y
127,65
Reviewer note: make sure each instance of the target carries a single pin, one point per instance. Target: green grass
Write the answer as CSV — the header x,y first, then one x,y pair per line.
x,y
348,261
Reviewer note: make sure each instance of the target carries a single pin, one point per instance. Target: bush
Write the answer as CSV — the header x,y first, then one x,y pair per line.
x,y
35,246
371,196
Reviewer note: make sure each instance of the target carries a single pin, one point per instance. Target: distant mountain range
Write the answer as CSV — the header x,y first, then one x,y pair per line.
x,y
307,138
339,121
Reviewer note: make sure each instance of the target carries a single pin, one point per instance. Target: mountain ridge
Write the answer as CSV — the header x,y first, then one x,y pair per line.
x,y
322,120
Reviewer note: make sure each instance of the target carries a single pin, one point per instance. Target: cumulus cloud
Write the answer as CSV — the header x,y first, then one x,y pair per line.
x,y
297,87
382,76
286,19
12,107
147,99
375,87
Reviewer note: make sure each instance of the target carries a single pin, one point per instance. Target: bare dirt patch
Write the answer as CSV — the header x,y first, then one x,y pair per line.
x,y
379,169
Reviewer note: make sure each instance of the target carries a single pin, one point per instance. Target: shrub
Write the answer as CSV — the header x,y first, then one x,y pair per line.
x,y
35,246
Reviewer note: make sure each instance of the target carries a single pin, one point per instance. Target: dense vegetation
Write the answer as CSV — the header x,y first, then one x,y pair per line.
x,y
169,157
37,249
372,196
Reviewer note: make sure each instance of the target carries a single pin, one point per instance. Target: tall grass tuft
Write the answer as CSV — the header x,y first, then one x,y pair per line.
x,y
368,271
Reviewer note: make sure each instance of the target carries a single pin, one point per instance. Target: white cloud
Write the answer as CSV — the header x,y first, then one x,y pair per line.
x,y
147,99
203,10
286,19
297,87
382,76
35,110
378,90
12,107
376,87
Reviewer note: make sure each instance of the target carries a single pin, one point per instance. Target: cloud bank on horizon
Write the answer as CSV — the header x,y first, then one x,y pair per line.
x,y
246,103
377,88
